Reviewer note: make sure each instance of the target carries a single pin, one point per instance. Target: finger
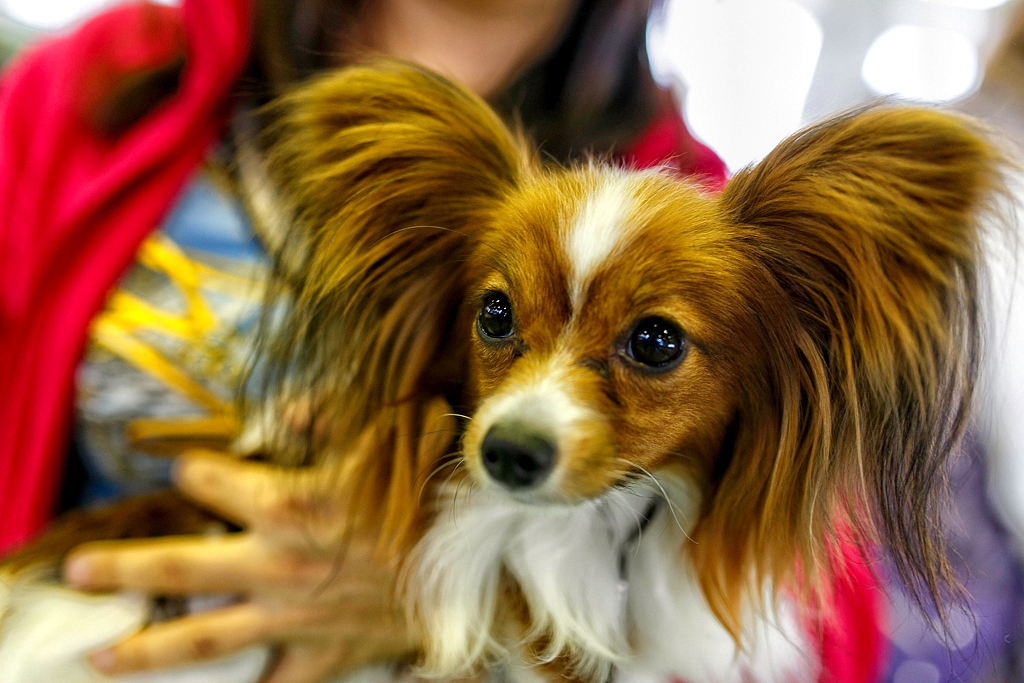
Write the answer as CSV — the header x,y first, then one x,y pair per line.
x,y
173,564
307,664
188,564
191,639
286,503
234,489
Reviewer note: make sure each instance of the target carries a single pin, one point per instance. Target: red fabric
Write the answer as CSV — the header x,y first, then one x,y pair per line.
x,y
667,142
848,633
76,206
852,645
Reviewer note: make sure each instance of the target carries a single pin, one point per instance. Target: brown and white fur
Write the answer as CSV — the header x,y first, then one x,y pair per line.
x,y
825,306
606,513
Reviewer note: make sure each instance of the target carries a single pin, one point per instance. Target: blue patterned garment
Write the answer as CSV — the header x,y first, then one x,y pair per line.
x,y
205,239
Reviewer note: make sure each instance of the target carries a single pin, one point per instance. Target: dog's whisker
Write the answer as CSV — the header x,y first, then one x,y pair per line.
x,y
636,513
439,468
455,498
664,494
445,460
459,415
448,481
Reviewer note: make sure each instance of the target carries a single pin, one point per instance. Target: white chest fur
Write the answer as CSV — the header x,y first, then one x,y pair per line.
x,y
623,604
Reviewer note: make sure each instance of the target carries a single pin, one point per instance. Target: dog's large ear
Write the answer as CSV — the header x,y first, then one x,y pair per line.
x,y
863,238
386,175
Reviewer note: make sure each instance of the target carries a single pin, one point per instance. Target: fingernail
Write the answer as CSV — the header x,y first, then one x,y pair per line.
x,y
103,661
77,571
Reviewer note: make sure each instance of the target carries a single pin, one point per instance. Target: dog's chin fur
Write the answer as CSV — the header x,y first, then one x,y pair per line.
x,y
604,591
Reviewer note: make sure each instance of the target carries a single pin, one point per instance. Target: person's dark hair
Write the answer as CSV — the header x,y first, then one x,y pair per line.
x,y
593,88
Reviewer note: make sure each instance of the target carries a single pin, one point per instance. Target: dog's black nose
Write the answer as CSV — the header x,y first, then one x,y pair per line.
x,y
516,456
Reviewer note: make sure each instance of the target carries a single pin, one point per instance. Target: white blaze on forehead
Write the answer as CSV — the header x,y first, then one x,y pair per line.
x,y
598,230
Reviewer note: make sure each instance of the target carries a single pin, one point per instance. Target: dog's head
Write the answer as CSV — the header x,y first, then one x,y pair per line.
x,y
800,347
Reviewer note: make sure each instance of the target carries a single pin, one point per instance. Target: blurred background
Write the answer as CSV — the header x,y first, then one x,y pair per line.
x,y
753,70
750,72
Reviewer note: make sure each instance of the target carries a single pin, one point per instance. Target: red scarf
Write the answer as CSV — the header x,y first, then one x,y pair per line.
x,y
76,206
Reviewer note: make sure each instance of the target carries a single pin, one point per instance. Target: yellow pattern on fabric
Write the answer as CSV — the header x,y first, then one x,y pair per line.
x,y
117,329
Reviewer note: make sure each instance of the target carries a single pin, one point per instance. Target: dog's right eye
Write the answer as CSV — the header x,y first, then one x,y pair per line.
x,y
495,319
656,343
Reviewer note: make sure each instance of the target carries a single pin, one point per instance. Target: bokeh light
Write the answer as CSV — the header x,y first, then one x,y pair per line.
x,y
922,63
54,15
971,4
746,65
50,15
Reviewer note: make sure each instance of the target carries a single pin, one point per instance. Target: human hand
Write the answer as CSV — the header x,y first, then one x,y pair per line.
x,y
321,596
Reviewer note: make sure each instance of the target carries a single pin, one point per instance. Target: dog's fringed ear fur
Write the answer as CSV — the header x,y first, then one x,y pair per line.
x,y
864,236
387,174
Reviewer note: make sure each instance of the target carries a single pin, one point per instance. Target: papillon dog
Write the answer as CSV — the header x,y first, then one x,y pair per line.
x,y
686,417
681,420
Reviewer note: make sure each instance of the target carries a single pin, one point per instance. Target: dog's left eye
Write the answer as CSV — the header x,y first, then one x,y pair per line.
x,y
656,343
495,319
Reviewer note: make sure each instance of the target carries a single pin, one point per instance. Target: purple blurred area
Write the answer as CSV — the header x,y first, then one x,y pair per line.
x,y
986,642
